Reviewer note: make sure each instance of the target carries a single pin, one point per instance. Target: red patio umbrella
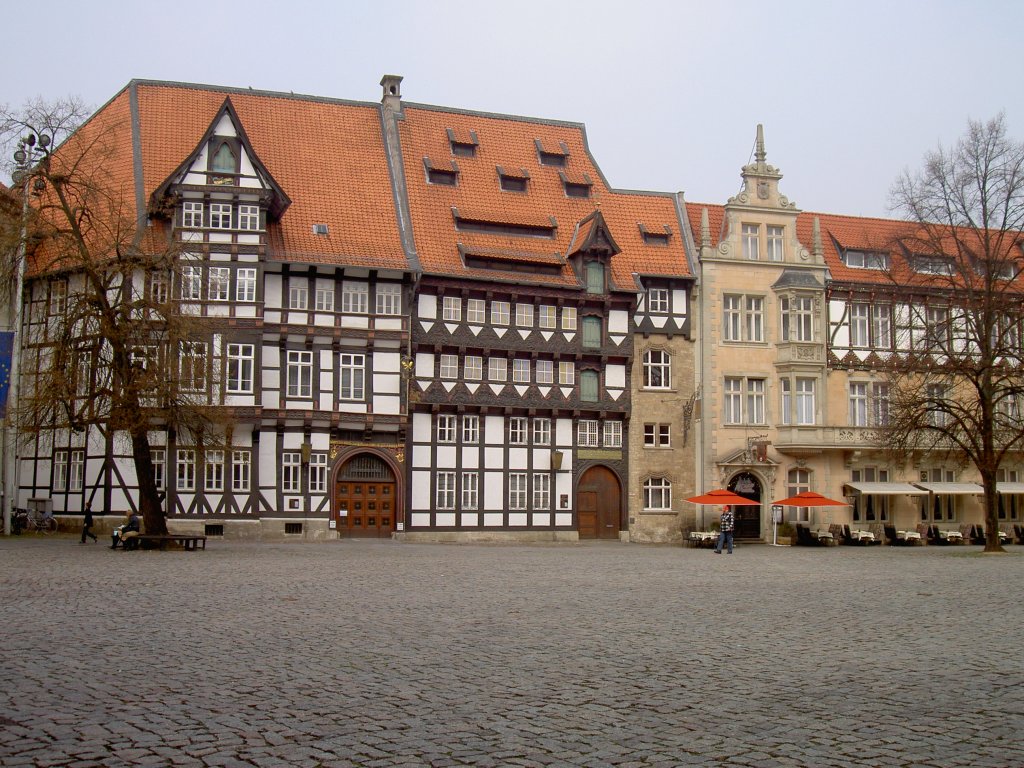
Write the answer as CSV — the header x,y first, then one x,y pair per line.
x,y
810,499
722,496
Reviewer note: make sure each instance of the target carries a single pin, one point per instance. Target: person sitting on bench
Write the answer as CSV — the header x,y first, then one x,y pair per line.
x,y
120,531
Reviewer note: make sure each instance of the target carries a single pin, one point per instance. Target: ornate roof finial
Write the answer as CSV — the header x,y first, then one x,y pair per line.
x,y
819,252
759,153
705,229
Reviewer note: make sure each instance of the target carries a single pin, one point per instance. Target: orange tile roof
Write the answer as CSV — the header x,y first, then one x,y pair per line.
x,y
510,142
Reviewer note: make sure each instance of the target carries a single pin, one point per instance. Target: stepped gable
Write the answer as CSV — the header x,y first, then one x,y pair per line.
x,y
535,218
327,155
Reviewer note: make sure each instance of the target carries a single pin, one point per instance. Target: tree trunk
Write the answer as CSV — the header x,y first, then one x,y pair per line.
x,y
153,516
988,481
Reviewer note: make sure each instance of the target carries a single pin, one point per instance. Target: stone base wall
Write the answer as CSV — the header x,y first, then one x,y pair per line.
x,y
489,537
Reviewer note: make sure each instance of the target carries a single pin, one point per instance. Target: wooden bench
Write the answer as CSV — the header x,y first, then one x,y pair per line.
x,y
189,541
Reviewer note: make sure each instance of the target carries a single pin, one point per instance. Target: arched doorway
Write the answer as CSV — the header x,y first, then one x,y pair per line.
x,y
365,498
599,501
748,518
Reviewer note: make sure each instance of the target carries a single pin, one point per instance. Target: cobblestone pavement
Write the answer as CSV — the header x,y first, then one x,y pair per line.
x,y
358,653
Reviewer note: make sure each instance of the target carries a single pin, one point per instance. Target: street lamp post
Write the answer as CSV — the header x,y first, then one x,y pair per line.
x,y
30,157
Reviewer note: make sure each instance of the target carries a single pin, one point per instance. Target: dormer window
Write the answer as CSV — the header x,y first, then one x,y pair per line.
x,y
224,161
933,265
463,145
655,237
447,176
513,180
551,156
576,187
865,260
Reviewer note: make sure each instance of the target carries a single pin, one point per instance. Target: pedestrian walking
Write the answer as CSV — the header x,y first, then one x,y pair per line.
x,y
87,523
726,524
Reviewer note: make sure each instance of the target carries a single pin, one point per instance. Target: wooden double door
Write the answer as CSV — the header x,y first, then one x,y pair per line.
x,y
365,502
599,504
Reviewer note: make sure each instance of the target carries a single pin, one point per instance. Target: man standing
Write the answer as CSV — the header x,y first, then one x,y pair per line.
x,y
725,527
87,523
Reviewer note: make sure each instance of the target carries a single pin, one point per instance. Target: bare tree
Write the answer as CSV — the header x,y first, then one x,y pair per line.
x,y
958,388
106,346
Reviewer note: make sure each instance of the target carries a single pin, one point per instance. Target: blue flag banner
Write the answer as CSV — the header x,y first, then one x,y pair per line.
x,y
6,348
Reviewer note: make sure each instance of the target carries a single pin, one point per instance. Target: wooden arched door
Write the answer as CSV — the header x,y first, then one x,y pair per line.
x,y
599,504
748,517
365,498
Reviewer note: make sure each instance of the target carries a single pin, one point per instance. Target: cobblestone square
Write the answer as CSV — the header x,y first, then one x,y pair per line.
x,y
378,653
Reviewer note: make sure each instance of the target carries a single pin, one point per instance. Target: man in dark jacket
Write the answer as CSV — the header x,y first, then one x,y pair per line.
x,y
87,523
725,528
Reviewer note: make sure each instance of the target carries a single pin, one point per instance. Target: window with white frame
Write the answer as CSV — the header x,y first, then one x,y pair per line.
x,y
657,369
60,470
936,398
524,315
192,366
497,369
500,312
352,369
389,299
798,480
657,436
300,374
732,318
291,472
158,457
880,404
58,296
541,490
881,326
866,260
751,246
446,428
355,297
449,366
241,360
220,284
214,470
545,371
191,282
587,433
743,318
220,216
569,318
444,496
476,311
657,300
870,507
805,407
298,296
1011,505
755,401
470,429
733,400
241,471
159,286
192,215
318,473
786,389
249,217
76,471
473,368
612,434
452,309
860,319
547,317
566,373
775,243
657,493
858,404
186,469
517,491
245,284
517,430
939,507
470,490
753,320
521,370
324,301
797,313
542,431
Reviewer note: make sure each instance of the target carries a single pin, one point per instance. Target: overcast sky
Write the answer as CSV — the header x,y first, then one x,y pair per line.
x,y
671,92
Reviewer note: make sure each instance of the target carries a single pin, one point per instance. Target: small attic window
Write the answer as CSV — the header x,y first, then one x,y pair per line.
x,y
576,187
319,229
444,175
865,260
513,181
656,237
223,163
463,146
557,158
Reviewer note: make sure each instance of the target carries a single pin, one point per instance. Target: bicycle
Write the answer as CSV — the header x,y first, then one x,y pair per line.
x,y
33,520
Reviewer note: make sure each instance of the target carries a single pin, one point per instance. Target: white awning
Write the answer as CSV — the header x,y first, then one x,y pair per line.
x,y
952,489
1009,487
886,489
